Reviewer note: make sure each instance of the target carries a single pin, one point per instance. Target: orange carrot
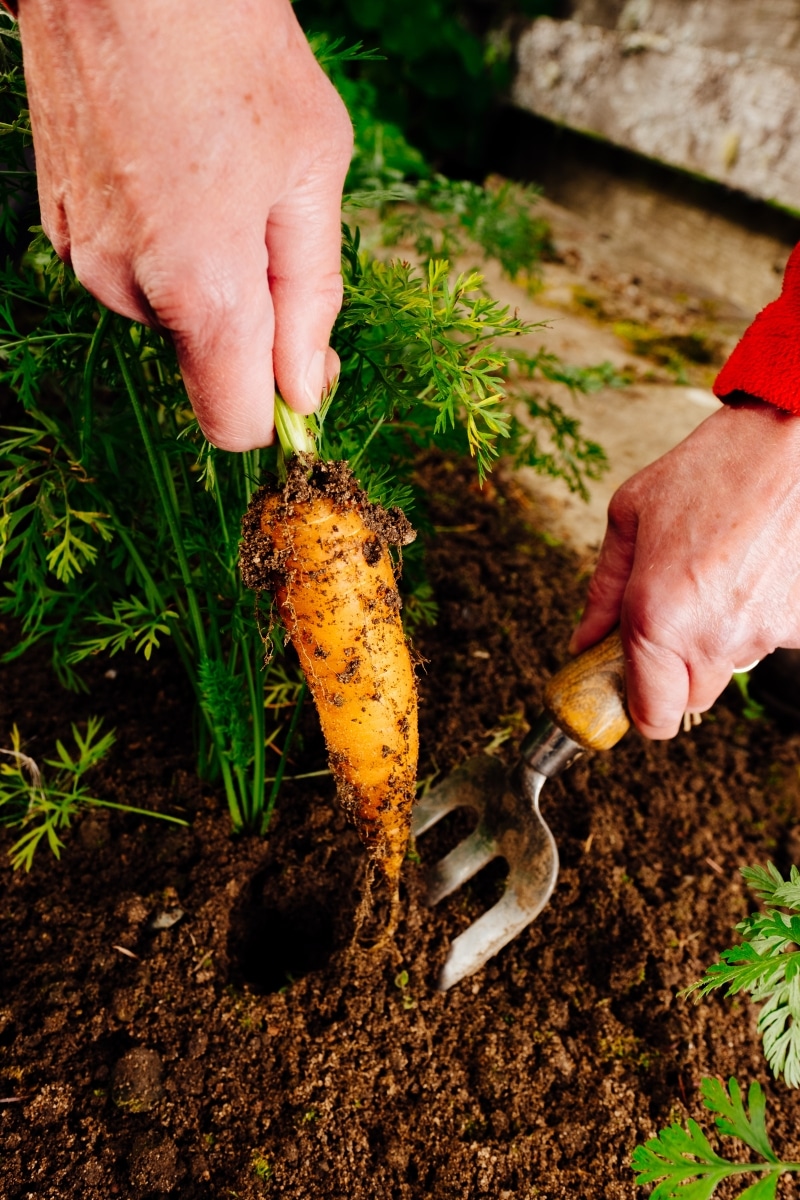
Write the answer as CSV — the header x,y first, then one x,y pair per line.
x,y
320,548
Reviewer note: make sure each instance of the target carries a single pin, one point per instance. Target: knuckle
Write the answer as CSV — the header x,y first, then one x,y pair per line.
x,y
669,629
319,298
330,294
195,299
342,136
335,129
653,630
596,593
621,509
94,273
108,277
328,147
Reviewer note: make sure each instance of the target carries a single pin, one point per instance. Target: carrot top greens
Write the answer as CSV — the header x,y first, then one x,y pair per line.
x,y
119,524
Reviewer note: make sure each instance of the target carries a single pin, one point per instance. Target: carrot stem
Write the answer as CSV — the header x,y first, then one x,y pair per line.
x,y
86,418
278,780
295,435
256,698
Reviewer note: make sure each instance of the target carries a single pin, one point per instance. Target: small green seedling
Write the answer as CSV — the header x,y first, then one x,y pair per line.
x,y
752,710
683,1165
41,803
767,965
401,981
262,1167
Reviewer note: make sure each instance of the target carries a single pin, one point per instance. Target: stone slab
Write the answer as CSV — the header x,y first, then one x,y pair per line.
x,y
720,113
634,425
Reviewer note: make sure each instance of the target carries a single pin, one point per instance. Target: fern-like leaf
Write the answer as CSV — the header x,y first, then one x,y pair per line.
x,y
683,1165
767,965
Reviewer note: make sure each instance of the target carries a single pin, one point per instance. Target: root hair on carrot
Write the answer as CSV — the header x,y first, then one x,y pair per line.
x,y
366,938
266,638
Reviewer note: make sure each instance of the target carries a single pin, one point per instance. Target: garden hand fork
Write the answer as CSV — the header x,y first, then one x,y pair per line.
x,y
584,710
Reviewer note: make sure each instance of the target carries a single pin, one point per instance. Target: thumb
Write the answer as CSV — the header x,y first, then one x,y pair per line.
x,y
610,579
304,246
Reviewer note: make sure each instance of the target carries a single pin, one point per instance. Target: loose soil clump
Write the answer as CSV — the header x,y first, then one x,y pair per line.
x,y
183,1013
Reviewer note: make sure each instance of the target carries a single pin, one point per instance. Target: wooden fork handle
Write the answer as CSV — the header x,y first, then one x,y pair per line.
x,y
586,699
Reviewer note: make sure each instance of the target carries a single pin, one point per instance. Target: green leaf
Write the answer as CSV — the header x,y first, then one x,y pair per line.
x,y
779,1025
131,621
40,803
682,1163
765,881
734,1119
224,699
763,1189
767,964
680,1158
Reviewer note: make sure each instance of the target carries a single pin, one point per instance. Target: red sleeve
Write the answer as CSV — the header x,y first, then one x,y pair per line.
x,y
766,362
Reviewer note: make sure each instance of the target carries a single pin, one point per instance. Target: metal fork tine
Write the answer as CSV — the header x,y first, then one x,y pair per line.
x,y
510,826
484,937
432,808
584,710
467,787
463,861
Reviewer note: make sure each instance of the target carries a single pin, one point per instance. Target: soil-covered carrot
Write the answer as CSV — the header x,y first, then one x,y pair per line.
x,y
321,548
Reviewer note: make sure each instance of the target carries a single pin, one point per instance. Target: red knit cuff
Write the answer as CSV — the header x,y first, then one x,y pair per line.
x,y
766,362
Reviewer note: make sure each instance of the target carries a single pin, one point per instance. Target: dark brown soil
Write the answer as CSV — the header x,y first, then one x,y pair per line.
x,y
247,1050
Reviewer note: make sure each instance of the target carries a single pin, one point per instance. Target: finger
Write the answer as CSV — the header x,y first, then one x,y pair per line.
x,y
657,686
110,280
607,588
54,223
706,685
304,245
219,313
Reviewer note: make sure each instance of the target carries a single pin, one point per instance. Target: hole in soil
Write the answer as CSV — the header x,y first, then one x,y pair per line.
x,y
280,945
9,1087
279,934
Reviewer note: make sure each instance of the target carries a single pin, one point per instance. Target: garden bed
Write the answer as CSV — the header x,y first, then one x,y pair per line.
x,y
184,1013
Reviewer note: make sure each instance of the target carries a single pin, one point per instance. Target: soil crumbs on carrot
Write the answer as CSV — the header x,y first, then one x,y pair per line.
x,y
182,1014
262,567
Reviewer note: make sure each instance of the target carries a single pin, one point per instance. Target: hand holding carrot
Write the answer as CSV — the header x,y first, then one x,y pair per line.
x,y
191,159
700,565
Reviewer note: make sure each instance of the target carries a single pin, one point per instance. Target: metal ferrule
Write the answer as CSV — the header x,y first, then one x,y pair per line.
x,y
547,749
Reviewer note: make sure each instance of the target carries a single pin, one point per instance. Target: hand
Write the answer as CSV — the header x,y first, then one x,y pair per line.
x,y
191,158
700,565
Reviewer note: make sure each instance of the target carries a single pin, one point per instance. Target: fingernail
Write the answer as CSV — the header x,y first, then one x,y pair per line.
x,y
315,378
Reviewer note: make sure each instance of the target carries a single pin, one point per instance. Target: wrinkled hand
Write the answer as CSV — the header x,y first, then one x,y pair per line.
x,y
700,565
191,158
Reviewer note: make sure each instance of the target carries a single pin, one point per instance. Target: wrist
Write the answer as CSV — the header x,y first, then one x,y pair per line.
x,y
744,400
756,436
